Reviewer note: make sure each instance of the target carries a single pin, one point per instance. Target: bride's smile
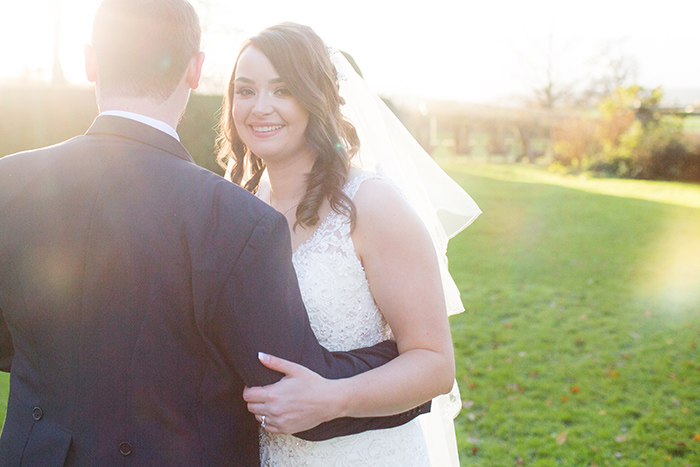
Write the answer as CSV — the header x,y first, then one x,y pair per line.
x,y
266,115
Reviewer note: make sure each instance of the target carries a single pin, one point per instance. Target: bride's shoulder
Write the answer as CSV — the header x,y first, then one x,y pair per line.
x,y
379,202
385,219
375,191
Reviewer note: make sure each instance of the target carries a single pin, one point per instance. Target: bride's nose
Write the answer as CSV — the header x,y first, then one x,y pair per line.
x,y
263,104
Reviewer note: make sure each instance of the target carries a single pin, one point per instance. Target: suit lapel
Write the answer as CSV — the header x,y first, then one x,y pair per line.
x,y
137,131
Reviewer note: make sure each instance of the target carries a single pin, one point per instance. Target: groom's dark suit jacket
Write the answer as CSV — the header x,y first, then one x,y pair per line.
x,y
136,290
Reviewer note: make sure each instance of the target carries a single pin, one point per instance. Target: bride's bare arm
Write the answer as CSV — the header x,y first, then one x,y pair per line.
x,y
401,267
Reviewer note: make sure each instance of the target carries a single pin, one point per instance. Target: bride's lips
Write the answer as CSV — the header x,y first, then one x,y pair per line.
x,y
265,130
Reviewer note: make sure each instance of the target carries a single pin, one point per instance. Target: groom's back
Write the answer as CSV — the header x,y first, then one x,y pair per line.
x,y
108,248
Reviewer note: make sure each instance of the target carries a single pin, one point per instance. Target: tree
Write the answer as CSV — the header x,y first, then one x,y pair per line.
x,y
217,28
544,75
610,70
560,75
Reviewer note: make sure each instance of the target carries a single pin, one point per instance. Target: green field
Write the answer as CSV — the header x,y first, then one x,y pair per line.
x,y
579,343
692,124
579,346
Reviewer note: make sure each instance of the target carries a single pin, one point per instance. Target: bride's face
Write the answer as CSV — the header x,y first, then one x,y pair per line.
x,y
269,120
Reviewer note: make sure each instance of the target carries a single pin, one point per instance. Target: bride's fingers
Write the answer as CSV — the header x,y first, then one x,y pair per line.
x,y
271,429
256,409
280,364
256,394
269,425
263,420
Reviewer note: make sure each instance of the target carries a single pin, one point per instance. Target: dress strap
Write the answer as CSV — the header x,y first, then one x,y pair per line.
x,y
351,187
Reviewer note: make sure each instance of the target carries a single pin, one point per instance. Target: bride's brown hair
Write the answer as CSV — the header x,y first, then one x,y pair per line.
x,y
303,62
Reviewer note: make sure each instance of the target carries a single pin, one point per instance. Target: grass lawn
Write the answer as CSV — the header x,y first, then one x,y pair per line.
x,y
692,124
579,343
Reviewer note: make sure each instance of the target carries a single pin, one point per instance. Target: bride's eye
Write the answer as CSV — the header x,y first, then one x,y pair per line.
x,y
285,92
244,92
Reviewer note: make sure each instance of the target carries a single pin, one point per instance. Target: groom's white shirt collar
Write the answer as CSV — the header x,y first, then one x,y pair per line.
x,y
157,124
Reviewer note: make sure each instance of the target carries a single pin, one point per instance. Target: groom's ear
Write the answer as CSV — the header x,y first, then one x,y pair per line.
x,y
194,70
90,63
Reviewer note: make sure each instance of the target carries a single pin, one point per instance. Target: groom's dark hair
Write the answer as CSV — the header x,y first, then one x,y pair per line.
x,y
143,47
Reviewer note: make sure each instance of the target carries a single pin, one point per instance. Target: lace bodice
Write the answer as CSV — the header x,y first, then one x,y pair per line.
x,y
333,285
343,316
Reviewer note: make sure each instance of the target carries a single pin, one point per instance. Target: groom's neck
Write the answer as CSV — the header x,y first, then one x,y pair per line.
x,y
169,111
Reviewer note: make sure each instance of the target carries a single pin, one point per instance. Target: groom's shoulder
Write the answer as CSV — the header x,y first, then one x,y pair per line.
x,y
32,159
212,191
36,152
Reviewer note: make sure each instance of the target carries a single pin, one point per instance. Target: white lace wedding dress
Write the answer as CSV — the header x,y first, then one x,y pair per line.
x,y
343,316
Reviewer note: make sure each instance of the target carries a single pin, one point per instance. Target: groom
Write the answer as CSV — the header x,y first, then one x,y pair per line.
x,y
136,289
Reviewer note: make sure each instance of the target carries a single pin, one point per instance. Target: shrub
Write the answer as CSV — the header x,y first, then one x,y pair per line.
x,y
628,139
575,142
36,117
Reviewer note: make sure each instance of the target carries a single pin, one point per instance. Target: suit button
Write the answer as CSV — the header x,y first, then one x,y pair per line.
x,y
37,413
125,449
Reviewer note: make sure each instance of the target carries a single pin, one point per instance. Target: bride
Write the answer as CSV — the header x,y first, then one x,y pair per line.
x,y
364,233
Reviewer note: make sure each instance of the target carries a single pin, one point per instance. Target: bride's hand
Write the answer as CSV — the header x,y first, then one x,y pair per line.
x,y
299,401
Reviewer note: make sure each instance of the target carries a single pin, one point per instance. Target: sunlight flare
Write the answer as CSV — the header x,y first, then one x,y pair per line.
x,y
672,278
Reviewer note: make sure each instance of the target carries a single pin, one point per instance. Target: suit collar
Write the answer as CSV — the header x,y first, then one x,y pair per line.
x,y
136,131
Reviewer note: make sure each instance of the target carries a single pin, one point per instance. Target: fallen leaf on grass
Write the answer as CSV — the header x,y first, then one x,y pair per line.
x,y
561,439
475,450
575,389
621,438
696,437
564,398
514,387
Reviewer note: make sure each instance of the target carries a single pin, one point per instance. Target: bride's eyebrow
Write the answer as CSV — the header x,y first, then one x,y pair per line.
x,y
243,79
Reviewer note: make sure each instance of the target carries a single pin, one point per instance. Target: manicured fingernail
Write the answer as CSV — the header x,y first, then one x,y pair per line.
x,y
263,357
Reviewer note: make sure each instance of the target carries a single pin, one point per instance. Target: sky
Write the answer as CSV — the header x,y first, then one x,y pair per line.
x,y
464,50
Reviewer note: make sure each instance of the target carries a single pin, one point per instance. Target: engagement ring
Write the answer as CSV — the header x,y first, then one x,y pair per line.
x,y
263,421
